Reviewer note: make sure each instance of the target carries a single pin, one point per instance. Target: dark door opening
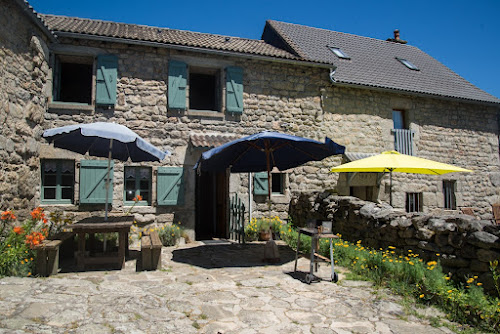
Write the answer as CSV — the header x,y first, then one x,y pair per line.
x,y
212,191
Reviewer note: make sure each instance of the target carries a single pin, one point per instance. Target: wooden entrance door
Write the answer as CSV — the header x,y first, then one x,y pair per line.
x,y
212,195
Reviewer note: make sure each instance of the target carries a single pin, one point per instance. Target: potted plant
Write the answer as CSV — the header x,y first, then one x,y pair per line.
x,y
265,230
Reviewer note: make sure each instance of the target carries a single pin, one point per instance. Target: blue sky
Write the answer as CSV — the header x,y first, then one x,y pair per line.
x,y
463,35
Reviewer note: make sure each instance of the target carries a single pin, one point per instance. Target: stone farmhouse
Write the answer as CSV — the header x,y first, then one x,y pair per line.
x,y
187,92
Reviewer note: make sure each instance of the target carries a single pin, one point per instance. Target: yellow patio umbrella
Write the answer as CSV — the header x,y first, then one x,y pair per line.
x,y
392,161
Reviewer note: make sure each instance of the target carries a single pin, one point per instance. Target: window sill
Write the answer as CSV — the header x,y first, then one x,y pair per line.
x,y
205,113
70,106
129,204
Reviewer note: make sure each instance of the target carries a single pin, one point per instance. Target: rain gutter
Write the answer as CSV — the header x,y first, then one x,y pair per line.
x,y
417,94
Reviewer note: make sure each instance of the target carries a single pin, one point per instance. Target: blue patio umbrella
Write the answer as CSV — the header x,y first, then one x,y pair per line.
x,y
264,151
102,139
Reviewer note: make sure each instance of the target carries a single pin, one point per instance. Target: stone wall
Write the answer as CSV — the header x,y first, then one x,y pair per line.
x,y
24,72
463,244
299,100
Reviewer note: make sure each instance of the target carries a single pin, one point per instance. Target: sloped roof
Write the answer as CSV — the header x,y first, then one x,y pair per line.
x,y
164,36
373,62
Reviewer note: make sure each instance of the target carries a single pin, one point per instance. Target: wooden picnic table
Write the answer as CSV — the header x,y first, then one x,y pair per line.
x,y
91,225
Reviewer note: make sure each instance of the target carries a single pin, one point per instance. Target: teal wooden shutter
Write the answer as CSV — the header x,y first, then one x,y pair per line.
x,y
177,82
234,89
170,186
93,175
107,74
260,184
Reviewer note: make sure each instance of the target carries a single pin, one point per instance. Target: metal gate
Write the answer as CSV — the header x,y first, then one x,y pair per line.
x,y
237,219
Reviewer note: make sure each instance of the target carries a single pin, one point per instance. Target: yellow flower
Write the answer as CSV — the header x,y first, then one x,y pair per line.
x,y
470,280
431,263
450,291
411,263
479,283
392,247
422,296
447,278
409,251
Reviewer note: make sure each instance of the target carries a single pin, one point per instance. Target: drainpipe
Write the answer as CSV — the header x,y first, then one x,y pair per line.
x,y
332,73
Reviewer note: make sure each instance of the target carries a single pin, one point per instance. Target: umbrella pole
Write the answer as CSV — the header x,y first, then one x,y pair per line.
x,y
268,178
107,180
390,187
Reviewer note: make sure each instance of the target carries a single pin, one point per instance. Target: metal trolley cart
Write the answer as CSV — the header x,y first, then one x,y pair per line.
x,y
316,235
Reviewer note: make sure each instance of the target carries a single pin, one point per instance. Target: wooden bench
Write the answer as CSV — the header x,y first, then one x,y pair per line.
x,y
47,254
150,251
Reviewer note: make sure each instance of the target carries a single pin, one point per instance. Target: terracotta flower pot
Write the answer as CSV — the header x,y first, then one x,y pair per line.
x,y
265,235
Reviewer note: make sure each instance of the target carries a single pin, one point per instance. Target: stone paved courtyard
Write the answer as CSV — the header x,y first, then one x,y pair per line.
x,y
204,288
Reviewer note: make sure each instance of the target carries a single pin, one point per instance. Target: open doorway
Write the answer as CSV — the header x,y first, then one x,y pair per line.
x,y
212,193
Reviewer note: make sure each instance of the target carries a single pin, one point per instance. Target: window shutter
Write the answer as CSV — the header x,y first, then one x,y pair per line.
x,y
107,74
260,184
234,89
93,175
177,81
170,186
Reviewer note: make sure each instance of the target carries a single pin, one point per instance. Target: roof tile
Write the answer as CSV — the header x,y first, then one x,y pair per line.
x,y
164,36
373,63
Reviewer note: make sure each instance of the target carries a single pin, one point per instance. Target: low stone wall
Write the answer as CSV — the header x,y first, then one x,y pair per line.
x,y
463,244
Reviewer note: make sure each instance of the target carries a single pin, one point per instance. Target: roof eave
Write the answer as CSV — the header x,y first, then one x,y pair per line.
x,y
192,48
419,94
31,13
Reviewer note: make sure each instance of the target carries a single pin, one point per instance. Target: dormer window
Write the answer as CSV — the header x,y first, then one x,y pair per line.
x,y
339,53
408,64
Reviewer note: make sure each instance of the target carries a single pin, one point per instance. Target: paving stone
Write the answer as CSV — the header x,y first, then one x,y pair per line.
x,y
190,298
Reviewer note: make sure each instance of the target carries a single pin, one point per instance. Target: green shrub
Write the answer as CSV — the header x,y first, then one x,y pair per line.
x,y
409,275
169,234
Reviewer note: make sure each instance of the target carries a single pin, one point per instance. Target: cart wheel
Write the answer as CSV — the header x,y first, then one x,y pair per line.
x,y
309,278
335,278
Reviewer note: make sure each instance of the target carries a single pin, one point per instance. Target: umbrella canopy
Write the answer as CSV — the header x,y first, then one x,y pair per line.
x,y
392,161
264,151
95,138
103,139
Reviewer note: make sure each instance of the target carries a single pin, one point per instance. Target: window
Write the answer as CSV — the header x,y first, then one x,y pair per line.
x,y
398,119
408,64
277,183
403,137
339,53
74,79
58,181
204,89
138,183
449,194
413,202
200,88
362,192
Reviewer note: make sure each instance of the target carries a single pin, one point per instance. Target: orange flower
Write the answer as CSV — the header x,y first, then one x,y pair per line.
x,y
137,198
8,215
34,239
18,230
38,214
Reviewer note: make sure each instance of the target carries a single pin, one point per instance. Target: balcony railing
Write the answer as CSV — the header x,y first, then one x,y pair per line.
x,y
403,141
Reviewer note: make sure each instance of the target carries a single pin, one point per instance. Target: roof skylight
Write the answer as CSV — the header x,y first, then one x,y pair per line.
x,y
339,53
408,64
